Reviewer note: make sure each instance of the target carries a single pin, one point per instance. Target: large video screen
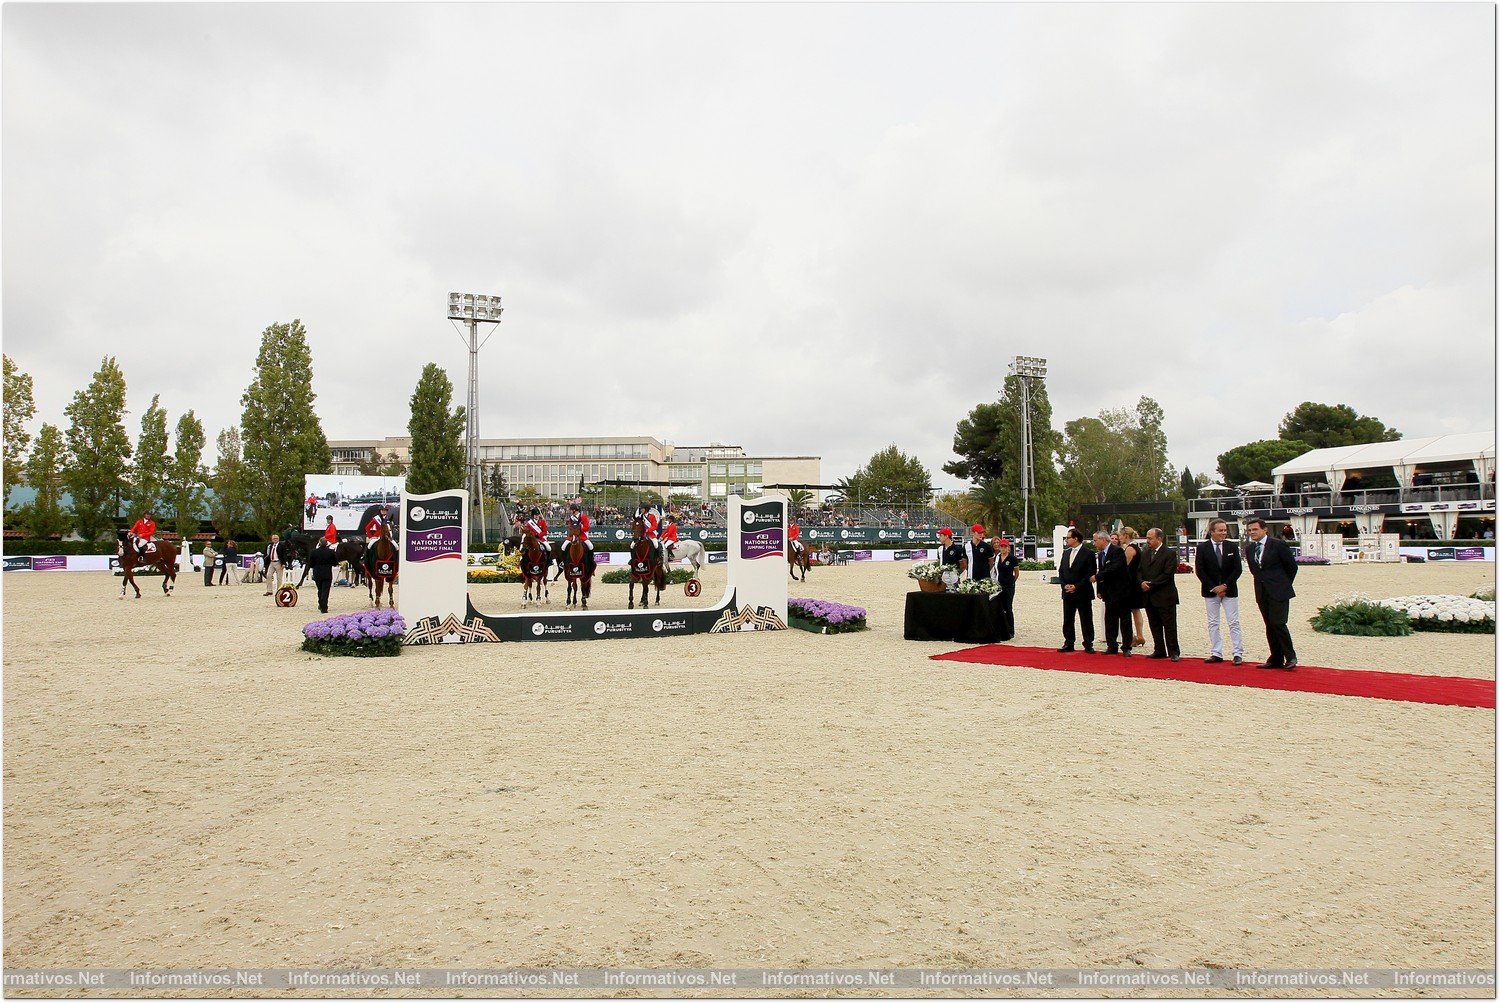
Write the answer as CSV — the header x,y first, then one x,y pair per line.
x,y
350,498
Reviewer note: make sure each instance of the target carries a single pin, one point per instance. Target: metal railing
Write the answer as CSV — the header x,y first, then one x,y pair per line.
x,y
1325,499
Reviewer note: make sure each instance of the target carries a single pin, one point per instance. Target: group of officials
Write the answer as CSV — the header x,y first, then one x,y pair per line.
x,y
1126,576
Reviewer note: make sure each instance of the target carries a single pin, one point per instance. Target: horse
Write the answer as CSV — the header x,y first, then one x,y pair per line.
x,y
351,552
691,551
163,559
646,566
578,565
382,566
536,559
797,559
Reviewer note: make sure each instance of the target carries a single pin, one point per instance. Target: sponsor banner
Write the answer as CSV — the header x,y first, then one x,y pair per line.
x,y
1466,554
54,563
1424,553
1441,554
610,623
718,556
18,564
763,531
621,534
433,529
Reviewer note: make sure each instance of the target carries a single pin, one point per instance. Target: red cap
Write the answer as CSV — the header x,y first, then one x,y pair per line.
x,y
977,528
945,531
1004,542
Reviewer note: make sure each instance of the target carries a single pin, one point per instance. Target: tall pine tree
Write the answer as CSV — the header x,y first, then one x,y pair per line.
x,y
988,443
437,435
19,407
282,437
231,486
100,450
45,515
149,483
185,476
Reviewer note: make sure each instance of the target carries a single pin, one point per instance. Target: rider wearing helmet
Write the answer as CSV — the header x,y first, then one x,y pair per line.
x,y
651,521
792,533
331,533
142,532
668,540
375,528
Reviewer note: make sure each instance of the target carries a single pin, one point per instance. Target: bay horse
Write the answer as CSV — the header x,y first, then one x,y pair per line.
x,y
646,566
797,559
351,552
382,566
578,565
536,560
163,559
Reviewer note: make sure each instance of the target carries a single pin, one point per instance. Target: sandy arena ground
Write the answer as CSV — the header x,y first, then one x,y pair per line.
x,y
184,787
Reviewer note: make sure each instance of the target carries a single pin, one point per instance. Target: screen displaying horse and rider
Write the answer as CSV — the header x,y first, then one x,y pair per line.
x,y
349,499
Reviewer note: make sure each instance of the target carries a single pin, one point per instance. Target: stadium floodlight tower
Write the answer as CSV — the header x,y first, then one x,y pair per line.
x,y
474,310
1027,368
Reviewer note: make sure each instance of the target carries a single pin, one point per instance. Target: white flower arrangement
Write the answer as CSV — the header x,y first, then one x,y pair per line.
x,y
970,586
927,571
1443,609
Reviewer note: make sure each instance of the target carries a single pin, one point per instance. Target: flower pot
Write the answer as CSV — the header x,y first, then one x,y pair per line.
x,y
931,586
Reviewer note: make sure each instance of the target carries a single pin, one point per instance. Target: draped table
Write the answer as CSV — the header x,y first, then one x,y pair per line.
x,y
952,616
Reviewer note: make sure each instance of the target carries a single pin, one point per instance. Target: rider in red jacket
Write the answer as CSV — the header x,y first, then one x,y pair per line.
x,y
792,533
668,538
331,534
142,532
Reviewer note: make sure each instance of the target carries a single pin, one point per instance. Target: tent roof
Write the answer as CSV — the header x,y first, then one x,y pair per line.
x,y
1431,449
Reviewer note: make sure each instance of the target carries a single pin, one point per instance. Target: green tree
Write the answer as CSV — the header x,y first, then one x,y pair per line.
x,y
797,498
527,496
955,505
150,475
988,443
45,514
19,407
100,450
890,478
186,476
393,466
437,435
1322,425
282,438
1254,460
989,503
1150,441
231,486
1189,485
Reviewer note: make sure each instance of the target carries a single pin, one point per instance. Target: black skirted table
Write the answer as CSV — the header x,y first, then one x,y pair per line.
x,y
972,618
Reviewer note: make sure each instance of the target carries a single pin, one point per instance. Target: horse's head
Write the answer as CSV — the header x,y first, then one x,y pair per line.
x,y
638,527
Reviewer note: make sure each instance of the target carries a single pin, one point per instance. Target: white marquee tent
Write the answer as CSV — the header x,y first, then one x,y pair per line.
x,y
1403,458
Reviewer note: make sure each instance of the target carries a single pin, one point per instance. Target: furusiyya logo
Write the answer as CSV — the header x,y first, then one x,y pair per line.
x,y
439,511
661,625
755,518
538,629
602,627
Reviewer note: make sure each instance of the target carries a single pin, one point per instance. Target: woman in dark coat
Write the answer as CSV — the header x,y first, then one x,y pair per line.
x,y
1006,569
1126,538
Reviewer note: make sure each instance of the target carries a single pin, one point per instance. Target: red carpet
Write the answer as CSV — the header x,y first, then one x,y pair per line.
x,y
1447,690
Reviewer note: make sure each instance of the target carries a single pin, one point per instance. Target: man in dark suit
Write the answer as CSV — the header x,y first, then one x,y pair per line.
x,y
1273,568
1113,581
1218,568
1159,582
321,562
1076,572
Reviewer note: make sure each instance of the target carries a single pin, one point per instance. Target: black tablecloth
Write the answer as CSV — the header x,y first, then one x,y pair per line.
x,y
951,616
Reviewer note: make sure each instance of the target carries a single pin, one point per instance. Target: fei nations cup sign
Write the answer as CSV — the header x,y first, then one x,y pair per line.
x,y
434,554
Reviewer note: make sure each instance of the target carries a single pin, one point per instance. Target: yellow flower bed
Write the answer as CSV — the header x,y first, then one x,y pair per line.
x,y
504,570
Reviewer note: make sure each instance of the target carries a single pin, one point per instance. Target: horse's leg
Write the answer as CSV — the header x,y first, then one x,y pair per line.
x,y
632,593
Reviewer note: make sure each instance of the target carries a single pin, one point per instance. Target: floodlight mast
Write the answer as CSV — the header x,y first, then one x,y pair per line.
x,y
1027,368
474,310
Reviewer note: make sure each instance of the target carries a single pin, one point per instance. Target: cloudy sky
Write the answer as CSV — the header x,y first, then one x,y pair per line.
x,y
827,228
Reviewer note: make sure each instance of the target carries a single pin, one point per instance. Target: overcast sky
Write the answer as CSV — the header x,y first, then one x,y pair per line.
x,y
827,227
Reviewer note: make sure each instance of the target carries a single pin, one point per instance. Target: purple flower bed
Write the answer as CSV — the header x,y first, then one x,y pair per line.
x,y
829,617
369,632
1311,559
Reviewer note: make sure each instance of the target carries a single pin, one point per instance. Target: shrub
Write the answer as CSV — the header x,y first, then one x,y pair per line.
x,y
1047,565
371,633
1484,592
1359,616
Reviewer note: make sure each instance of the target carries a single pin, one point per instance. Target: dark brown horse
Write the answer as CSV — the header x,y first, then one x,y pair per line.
x,y
536,559
645,566
382,565
163,559
578,565
796,559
